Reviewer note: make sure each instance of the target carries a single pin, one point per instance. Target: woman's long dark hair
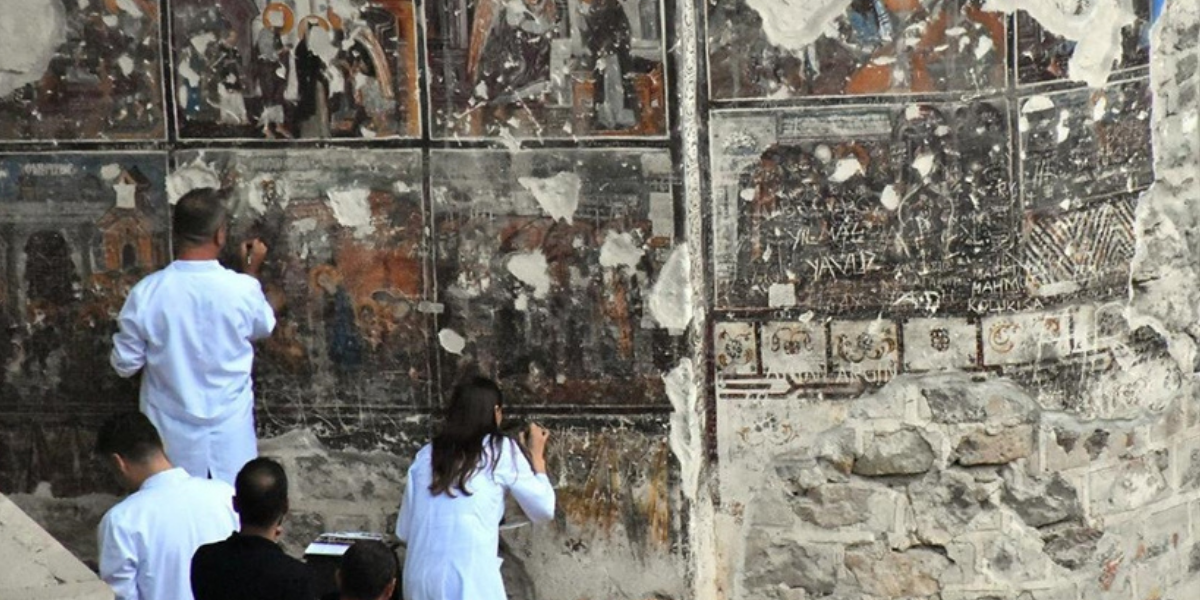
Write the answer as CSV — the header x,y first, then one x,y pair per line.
x,y
458,449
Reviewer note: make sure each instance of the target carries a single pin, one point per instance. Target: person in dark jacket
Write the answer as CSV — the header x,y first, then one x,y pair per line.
x,y
250,565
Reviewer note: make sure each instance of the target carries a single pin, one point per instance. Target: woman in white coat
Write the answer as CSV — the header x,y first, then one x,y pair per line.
x,y
454,499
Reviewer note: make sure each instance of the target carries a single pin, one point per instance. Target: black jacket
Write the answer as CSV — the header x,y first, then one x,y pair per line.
x,y
246,567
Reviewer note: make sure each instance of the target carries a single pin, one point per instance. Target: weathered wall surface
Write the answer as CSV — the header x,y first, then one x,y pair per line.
x,y
838,298
375,146
963,369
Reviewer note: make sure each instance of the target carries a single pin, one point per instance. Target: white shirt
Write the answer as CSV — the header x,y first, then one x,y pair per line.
x,y
454,542
148,539
190,328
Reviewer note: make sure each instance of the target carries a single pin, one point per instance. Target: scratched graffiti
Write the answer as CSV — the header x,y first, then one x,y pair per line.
x,y
344,272
546,68
292,69
897,208
85,70
874,47
545,261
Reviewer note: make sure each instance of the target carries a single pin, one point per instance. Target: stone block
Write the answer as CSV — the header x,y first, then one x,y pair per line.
x,y
37,566
903,452
1188,457
956,399
1071,545
773,562
947,504
914,573
1040,501
1070,446
72,521
1016,558
1128,486
982,447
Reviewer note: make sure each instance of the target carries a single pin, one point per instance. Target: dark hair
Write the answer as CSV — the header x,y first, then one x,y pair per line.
x,y
458,449
129,435
262,493
367,568
198,216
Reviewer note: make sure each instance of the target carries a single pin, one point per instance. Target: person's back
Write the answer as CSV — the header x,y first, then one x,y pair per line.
x,y
250,565
189,329
209,314
148,539
454,500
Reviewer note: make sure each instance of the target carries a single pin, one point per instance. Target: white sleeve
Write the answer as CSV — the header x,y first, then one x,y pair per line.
x,y
404,520
533,491
262,316
129,344
118,559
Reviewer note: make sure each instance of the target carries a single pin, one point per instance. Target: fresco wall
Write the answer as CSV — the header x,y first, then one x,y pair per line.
x,y
373,146
939,255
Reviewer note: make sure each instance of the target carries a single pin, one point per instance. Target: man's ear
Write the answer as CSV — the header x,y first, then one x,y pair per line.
x,y
237,509
389,590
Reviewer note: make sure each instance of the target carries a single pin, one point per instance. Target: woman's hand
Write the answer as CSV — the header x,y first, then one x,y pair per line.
x,y
534,440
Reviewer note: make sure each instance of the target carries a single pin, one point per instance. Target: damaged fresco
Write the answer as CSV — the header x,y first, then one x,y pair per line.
x,y
546,68
342,69
345,274
545,265
862,207
772,49
85,70
77,231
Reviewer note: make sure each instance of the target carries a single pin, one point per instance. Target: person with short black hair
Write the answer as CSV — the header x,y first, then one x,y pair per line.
x,y
147,540
189,329
369,571
250,565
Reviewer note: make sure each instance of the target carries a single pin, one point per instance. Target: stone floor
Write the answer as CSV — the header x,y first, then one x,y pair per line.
x,y
36,567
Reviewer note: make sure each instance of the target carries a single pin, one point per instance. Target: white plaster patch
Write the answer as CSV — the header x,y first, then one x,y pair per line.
x,y
619,249
202,41
130,7
557,195
110,171
671,296
1100,108
781,295
194,176
531,269
1037,104
321,45
924,165
126,64
685,427
193,78
890,198
352,209
846,169
451,341
1063,127
793,24
985,45
1096,31
30,32
401,187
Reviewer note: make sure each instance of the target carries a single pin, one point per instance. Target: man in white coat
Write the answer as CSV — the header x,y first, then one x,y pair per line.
x,y
148,539
189,329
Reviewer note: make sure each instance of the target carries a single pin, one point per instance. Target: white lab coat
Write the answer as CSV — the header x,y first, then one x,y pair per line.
x,y
453,542
189,328
148,539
